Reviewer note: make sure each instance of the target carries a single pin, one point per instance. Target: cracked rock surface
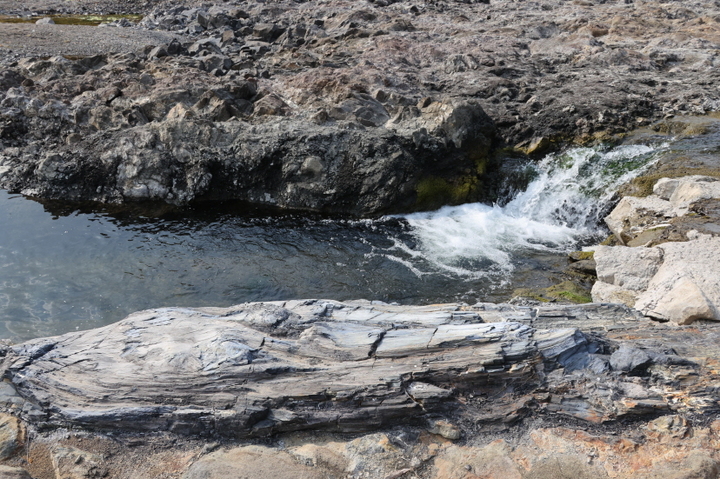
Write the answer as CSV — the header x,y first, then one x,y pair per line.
x,y
264,368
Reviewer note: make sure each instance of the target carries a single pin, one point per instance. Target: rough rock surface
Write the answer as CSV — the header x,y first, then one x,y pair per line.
x,y
9,472
264,368
675,281
672,281
361,108
444,391
659,217
11,435
354,107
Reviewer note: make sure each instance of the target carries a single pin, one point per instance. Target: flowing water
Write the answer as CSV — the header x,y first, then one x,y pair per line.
x,y
64,268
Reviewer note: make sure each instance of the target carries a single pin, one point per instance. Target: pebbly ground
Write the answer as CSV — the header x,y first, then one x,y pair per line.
x,y
49,40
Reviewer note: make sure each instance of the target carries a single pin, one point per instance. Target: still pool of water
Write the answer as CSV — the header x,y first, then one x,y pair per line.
x,y
64,268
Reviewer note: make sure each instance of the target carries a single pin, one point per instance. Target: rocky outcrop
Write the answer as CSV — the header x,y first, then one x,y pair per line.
x,y
663,216
261,368
359,108
129,129
672,281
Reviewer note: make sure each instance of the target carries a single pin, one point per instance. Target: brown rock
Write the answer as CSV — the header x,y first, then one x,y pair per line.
x,y
251,462
74,463
493,461
12,435
271,105
8,472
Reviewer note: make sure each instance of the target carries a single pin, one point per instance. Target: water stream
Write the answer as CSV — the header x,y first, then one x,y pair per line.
x,y
64,268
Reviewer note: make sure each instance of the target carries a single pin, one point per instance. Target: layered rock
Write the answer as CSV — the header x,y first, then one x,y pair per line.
x,y
151,394
263,368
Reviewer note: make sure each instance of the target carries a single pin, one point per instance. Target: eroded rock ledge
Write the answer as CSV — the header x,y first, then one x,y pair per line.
x,y
345,107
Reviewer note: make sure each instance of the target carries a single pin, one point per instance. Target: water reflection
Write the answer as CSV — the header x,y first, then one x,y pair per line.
x,y
65,267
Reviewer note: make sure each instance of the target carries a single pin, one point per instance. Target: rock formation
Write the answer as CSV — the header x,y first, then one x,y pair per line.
x,y
264,368
343,107
364,108
447,372
671,281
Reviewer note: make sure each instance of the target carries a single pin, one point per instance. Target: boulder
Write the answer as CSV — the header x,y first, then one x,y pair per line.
x,y
672,198
686,286
684,191
626,267
633,215
672,281
629,359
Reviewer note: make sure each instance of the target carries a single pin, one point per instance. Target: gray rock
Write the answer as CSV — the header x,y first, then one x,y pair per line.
x,y
267,32
9,472
214,62
518,86
205,46
362,108
262,368
158,52
629,359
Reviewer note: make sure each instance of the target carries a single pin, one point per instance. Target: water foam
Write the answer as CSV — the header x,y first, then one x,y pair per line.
x,y
560,208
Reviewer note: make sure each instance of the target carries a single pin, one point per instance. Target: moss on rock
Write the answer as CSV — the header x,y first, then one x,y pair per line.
x,y
581,255
643,185
566,291
434,192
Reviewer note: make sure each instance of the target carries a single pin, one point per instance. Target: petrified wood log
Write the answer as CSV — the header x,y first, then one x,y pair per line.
x,y
267,367
261,368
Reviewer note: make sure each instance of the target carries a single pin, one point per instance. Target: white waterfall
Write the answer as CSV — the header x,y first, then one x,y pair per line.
x,y
559,208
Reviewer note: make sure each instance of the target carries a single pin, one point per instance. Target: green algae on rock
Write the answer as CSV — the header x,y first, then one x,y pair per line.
x,y
567,291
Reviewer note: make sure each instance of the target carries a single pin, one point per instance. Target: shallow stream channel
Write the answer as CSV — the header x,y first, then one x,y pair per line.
x,y
65,268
